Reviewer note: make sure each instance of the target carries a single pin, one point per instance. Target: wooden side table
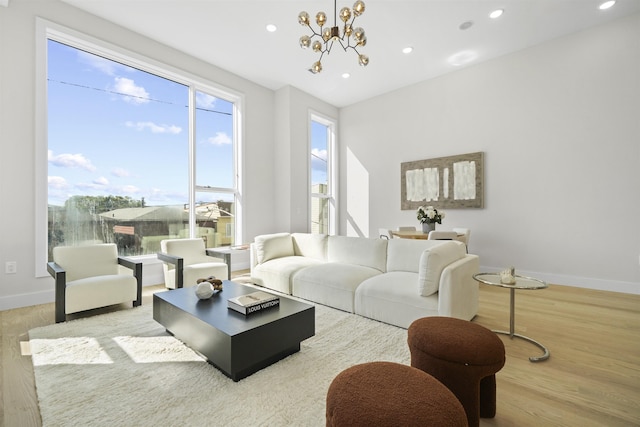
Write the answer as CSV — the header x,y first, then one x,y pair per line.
x,y
521,282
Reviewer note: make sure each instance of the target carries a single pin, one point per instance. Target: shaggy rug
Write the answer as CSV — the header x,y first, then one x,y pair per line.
x,y
123,369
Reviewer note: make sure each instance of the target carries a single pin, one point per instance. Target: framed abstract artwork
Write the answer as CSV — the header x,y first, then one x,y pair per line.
x,y
454,182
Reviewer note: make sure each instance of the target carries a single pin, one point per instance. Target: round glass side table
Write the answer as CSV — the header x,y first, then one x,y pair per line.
x,y
521,282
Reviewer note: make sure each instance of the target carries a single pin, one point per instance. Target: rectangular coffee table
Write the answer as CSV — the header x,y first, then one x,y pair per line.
x,y
236,344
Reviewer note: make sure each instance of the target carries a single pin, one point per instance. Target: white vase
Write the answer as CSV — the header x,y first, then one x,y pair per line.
x,y
428,226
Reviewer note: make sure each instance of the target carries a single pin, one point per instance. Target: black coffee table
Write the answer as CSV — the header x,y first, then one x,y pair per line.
x,y
236,344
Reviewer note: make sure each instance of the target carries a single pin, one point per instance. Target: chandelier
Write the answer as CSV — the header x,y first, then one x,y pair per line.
x,y
329,35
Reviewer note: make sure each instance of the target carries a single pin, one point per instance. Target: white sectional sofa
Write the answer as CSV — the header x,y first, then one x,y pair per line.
x,y
394,281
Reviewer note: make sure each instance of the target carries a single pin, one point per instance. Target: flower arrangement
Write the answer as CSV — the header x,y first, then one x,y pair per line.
x,y
430,215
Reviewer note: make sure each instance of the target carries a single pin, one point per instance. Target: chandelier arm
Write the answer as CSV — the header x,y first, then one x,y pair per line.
x,y
343,46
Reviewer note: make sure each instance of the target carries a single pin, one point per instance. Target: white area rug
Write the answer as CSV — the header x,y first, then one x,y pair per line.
x,y
123,369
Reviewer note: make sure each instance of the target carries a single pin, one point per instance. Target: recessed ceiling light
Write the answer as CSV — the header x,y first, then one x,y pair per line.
x,y
462,58
407,49
466,25
606,5
346,75
496,13
271,28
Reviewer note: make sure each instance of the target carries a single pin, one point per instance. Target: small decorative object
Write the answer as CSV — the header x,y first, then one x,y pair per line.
x,y
207,287
508,276
216,283
428,217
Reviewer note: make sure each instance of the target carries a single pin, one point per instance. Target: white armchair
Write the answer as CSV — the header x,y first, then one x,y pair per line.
x,y
88,277
186,261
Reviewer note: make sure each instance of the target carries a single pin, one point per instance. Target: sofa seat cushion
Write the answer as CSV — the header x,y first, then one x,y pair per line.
x,y
331,283
276,273
100,291
392,298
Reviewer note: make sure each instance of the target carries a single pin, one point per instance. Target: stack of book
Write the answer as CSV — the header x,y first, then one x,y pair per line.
x,y
253,302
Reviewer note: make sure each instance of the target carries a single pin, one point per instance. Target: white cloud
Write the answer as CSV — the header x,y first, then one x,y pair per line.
x,y
131,189
70,161
221,138
120,173
101,181
205,101
131,92
155,128
57,182
101,64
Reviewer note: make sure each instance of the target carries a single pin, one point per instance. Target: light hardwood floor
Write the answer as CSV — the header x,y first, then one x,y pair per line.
x,y
591,379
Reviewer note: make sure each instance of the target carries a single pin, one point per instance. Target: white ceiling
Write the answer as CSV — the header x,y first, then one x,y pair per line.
x,y
231,35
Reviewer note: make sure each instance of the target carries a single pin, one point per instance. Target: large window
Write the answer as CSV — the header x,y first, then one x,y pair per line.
x,y
322,191
136,154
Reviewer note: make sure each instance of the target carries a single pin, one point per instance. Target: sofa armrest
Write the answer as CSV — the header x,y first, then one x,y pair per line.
x,y
136,266
253,257
179,265
458,293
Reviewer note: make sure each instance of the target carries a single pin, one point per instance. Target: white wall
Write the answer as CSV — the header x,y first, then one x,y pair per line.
x,y
559,124
17,134
292,156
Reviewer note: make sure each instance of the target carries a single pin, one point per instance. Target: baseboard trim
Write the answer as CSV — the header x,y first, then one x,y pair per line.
x,y
575,281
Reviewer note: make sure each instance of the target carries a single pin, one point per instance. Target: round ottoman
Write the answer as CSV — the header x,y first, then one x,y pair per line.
x,y
390,394
463,356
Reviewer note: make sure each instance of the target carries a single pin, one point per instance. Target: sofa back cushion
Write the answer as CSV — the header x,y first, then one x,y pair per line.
x,y
404,254
358,250
270,246
192,251
310,245
433,260
81,262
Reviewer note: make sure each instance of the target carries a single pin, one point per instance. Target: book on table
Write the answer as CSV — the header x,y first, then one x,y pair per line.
x,y
253,302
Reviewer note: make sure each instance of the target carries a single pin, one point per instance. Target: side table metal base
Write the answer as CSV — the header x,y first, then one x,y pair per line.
x,y
546,354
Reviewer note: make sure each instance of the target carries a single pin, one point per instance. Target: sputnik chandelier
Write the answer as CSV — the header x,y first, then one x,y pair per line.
x,y
329,35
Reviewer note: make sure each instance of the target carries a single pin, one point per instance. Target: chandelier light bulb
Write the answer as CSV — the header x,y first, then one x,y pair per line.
x,y
348,30
303,18
305,41
358,8
326,34
345,14
316,67
363,60
321,19
316,46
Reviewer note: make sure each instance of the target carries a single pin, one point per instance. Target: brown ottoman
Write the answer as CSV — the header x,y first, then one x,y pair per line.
x,y
464,356
390,394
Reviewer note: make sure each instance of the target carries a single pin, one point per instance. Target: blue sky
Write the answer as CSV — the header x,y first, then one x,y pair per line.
x,y
116,130
121,131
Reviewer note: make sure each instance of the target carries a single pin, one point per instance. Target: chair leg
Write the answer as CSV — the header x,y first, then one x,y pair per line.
x,y
138,275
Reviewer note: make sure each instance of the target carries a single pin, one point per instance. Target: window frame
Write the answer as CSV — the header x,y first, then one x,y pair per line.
x,y
46,30
332,176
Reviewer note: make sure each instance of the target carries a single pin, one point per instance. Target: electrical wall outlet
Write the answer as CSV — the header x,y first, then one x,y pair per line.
x,y
11,267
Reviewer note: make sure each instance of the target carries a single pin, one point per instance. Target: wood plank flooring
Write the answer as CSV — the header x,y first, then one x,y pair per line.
x,y
591,379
